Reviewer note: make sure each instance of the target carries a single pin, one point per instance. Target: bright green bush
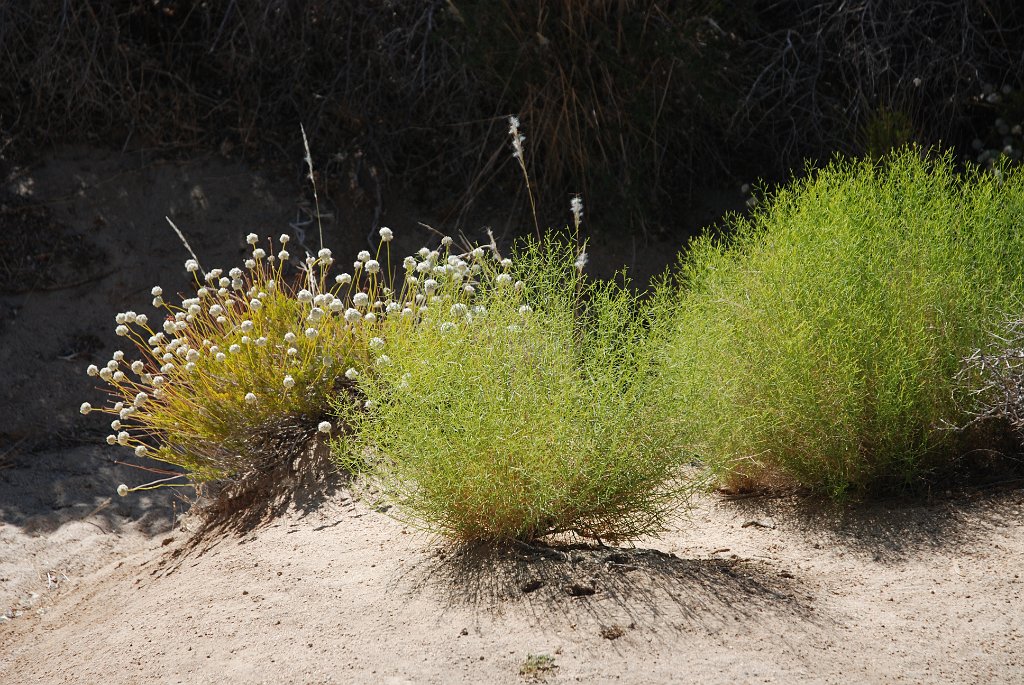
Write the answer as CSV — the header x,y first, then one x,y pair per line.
x,y
820,346
520,406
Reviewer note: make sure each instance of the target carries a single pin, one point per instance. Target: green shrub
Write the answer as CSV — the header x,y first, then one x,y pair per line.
x,y
820,346
530,409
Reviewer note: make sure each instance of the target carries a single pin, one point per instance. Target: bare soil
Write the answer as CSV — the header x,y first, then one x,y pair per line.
x,y
96,588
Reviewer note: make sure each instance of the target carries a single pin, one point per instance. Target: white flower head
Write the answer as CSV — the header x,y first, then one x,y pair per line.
x,y
123,438
283,255
360,299
325,427
351,374
250,264
304,296
576,207
352,315
517,138
581,261
191,266
409,263
343,279
525,309
93,370
311,333
259,253
250,397
85,408
141,450
284,238
373,266
252,238
137,366
377,343
157,291
289,337
363,255
370,317
289,382
447,241
122,330
386,234
122,490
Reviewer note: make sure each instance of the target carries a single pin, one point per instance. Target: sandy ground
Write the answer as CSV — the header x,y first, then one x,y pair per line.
x,y
754,591
100,589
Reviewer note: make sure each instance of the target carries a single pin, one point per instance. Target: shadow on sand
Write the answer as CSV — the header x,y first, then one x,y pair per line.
x,y
615,586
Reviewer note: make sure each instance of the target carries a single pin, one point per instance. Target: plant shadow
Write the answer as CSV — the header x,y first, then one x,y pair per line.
x,y
43,489
615,586
896,529
301,478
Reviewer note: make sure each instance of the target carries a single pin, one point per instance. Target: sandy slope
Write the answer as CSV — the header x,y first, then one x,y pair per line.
x,y
342,593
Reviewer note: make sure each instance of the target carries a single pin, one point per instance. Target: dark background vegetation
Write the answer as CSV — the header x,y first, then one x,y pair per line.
x,y
640,105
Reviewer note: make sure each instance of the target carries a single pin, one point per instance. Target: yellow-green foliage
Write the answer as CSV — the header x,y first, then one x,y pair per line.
x,y
250,349
531,410
820,345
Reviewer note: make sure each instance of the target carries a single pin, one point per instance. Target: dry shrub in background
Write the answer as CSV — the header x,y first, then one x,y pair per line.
x,y
866,76
994,378
636,103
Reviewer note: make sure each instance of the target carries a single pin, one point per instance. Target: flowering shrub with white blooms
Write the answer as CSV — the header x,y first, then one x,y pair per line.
x,y
250,346
516,398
